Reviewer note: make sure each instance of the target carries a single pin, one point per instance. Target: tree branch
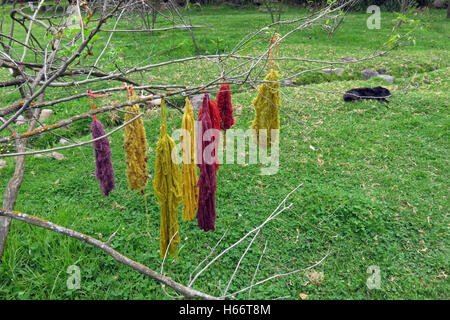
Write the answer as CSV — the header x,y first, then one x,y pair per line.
x,y
79,144
35,221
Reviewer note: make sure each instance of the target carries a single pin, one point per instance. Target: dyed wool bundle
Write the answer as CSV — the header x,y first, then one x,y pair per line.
x,y
214,116
213,111
267,104
223,100
168,189
206,215
103,167
188,168
135,146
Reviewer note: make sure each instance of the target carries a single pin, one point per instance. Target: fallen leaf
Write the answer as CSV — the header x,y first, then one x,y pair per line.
x,y
303,296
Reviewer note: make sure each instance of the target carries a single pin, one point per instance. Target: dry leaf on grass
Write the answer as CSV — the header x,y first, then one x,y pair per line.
x,y
303,296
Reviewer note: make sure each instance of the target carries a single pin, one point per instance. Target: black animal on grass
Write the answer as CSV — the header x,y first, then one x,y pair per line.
x,y
377,93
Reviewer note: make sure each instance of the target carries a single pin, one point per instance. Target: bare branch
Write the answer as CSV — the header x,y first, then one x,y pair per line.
x,y
256,270
33,220
273,215
61,69
79,144
239,262
180,27
277,276
66,122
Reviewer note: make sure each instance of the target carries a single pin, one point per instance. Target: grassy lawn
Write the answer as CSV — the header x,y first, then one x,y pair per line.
x,y
374,175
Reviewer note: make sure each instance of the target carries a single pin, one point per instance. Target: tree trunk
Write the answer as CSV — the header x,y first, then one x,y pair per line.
x,y
280,9
14,184
105,6
12,189
269,8
403,6
448,10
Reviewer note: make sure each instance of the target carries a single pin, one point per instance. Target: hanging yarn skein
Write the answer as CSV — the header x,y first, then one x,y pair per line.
x,y
189,168
213,111
135,145
168,189
103,166
225,107
214,115
267,105
206,214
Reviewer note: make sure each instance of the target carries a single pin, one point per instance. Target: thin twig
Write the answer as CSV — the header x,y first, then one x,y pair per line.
x,y
276,276
256,270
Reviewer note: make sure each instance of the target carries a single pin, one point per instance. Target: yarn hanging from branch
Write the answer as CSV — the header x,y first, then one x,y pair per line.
x,y
168,189
135,145
189,168
213,111
206,214
103,166
225,107
267,105
214,115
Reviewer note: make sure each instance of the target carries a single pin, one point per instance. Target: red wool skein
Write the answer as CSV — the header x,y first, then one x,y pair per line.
x,y
213,111
225,108
214,115
206,214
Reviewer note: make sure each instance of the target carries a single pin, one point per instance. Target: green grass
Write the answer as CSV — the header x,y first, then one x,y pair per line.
x,y
374,193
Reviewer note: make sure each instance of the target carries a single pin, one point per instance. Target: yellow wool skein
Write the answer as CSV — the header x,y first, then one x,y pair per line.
x,y
189,168
267,105
135,146
168,189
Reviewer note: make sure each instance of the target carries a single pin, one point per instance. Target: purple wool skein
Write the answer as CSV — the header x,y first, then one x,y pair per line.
x,y
103,167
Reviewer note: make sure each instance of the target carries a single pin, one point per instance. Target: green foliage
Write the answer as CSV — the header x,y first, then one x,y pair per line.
x,y
7,147
219,45
375,176
405,30
116,57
